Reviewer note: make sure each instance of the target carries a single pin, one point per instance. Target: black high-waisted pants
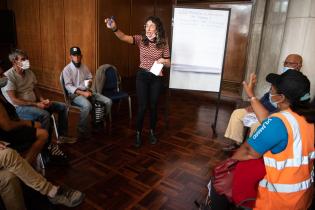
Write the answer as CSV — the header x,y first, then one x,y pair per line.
x,y
148,88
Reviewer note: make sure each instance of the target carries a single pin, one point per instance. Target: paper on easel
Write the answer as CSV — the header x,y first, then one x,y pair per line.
x,y
156,68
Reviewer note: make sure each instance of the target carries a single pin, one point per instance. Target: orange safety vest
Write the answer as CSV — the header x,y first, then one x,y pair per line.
x,y
288,183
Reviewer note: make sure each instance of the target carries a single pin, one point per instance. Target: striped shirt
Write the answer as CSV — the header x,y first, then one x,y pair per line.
x,y
150,53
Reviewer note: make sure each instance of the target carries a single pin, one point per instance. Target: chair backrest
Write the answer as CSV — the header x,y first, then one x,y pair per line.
x,y
112,81
64,90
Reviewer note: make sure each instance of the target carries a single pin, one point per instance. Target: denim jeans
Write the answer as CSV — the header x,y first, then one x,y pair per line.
x,y
148,88
43,115
86,107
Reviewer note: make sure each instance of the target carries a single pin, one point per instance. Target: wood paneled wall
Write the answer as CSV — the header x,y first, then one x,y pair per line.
x,y
46,29
130,18
3,4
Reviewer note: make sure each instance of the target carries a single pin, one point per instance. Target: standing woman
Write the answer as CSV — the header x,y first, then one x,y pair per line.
x,y
153,47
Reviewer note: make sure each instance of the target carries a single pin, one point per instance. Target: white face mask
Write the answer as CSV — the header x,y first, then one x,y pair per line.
x,y
150,35
273,103
25,65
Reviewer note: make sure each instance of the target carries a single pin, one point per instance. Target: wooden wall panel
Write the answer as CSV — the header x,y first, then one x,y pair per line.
x,y
52,42
111,49
46,29
28,31
140,10
80,29
3,4
237,41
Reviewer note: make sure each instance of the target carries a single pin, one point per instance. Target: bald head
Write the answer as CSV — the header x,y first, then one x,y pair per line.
x,y
293,61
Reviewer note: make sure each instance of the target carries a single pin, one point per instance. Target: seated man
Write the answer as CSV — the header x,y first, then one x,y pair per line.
x,y
23,135
30,105
235,128
74,75
13,167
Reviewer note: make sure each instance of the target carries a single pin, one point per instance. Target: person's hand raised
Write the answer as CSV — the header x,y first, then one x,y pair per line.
x,y
110,23
250,86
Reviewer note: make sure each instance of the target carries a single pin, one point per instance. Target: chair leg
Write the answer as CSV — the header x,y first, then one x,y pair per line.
x,y
118,108
129,103
55,125
110,116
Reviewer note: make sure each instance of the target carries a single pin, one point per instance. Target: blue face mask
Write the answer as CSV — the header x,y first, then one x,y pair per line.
x,y
284,69
273,103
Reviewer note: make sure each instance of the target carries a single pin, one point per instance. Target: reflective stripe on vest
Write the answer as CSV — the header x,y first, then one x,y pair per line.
x,y
292,162
286,188
296,161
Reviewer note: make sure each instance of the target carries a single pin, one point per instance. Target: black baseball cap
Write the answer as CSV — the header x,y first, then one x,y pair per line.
x,y
292,83
75,51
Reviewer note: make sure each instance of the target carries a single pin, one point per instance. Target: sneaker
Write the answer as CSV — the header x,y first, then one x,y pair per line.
x,y
56,155
66,140
67,197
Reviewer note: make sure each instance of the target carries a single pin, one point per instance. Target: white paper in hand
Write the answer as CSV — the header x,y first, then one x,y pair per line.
x,y
156,68
250,119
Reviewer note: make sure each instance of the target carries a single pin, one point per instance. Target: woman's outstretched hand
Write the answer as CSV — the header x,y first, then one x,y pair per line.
x,y
110,23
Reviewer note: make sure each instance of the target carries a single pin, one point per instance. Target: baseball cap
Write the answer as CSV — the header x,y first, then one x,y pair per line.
x,y
75,51
293,84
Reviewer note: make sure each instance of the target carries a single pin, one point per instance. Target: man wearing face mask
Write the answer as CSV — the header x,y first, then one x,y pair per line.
x,y
75,75
22,93
235,128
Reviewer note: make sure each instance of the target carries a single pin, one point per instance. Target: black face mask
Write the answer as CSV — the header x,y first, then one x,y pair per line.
x,y
76,64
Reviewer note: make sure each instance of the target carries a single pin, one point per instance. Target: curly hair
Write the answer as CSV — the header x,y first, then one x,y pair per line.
x,y
160,36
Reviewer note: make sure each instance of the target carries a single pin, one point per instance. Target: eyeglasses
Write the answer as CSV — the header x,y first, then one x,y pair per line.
x,y
290,63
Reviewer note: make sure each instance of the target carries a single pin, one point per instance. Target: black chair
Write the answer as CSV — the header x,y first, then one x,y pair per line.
x,y
112,88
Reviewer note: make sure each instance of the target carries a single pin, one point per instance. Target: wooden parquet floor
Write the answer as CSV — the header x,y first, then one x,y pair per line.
x,y
169,176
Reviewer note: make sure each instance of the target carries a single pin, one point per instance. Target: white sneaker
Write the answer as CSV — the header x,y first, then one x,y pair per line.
x,y
67,197
66,140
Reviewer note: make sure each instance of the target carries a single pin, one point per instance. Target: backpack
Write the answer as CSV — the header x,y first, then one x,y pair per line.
x,y
98,112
